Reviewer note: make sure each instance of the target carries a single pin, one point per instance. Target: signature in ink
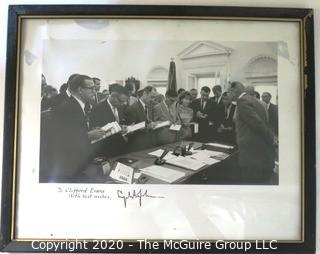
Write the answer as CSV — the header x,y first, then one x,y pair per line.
x,y
139,194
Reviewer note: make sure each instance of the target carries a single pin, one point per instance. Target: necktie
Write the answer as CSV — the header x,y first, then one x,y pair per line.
x,y
87,109
202,104
146,113
116,115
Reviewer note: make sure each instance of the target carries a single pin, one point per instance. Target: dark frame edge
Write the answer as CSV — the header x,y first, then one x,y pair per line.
x,y
8,127
310,134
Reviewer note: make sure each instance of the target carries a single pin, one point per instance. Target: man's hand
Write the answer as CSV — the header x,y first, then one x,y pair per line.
x,y
201,115
124,129
151,125
96,134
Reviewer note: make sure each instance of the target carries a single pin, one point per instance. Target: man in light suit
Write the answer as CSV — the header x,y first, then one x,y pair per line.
x,y
272,111
71,133
254,138
141,111
106,112
166,111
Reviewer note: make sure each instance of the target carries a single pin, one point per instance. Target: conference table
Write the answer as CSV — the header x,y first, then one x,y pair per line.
x,y
222,172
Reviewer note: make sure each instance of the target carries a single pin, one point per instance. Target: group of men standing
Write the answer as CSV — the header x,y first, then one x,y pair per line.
x,y
77,117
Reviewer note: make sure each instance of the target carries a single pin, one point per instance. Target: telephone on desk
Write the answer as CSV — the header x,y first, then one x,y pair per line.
x,y
122,173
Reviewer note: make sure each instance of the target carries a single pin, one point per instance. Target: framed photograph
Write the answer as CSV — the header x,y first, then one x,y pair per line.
x,y
162,129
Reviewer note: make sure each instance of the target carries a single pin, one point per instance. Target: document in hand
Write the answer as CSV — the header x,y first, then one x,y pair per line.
x,y
162,173
162,124
186,162
175,127
135,127
110,129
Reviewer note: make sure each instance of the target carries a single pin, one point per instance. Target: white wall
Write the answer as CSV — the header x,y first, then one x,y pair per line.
x,y
271,3
117,60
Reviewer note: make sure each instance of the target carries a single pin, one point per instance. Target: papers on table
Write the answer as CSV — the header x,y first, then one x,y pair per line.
x,y
135,127
220,145
122,173
186,162
163,173
159,152
110,129
213,154
162,124
204,158
175,127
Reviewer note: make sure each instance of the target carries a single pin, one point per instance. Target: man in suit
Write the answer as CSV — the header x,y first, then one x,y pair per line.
x,y
141,111
203,113
272,112
218,108
64,94
105,112
226,130
97,96
255,140
71,134
166,111
194,93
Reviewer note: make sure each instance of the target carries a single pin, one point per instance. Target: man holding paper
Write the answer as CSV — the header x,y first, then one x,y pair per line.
x,y
106,112
141,111
163,112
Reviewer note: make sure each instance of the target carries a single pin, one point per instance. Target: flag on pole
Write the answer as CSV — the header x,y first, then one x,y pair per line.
x,y
172,80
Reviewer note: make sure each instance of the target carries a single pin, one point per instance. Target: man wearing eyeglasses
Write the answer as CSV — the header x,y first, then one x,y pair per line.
x,y
71,152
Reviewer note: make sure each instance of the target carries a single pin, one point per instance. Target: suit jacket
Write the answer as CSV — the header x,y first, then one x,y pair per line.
x,y
141,139
228,119
136,114
100,115
163,113
59,99
204,128
71,145
273,118
254,139
228,136
217,116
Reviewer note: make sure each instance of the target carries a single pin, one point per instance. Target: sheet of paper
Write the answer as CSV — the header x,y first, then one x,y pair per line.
x,y
162,124
122,173
135,127
159,152
110,129
220,145
196,128
137,175
186,162
213,154
162,173
204,158
175,127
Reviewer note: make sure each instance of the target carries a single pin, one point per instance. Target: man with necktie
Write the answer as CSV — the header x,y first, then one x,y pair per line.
x,y
71,133
141,111
107,111
203,113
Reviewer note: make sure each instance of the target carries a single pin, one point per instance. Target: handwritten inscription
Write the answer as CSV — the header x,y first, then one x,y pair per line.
x,y
84,193
88,193
139,194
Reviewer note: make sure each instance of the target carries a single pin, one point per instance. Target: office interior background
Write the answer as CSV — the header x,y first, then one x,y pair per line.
x,y
198,63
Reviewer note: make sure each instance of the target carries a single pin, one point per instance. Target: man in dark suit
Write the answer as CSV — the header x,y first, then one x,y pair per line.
x,y
254,138
272,111
105,112
218,106
141,111
64,94
71,134
226,130
98,96
203,113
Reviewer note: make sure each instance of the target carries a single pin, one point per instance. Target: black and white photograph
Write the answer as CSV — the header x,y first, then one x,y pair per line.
x,y
158,123
159,112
